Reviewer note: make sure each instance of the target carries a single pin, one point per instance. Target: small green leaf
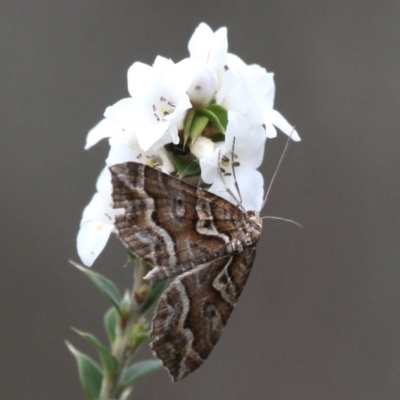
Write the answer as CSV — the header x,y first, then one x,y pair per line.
x,y
186,168
140,338
131,256
110,323
155,292
218,137
138,335
221,115
137,371
103,284
211,117
90,373
198,125
110,364
187,125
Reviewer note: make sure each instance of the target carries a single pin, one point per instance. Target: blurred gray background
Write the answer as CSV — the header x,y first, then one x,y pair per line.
x,y
320,315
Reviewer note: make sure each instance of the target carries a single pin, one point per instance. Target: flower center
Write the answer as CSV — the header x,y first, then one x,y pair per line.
x,y
163,108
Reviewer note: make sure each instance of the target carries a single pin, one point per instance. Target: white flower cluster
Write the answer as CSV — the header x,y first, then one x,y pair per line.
x,y
194,111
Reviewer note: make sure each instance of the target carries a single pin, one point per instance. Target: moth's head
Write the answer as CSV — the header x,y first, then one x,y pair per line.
x,y
256,223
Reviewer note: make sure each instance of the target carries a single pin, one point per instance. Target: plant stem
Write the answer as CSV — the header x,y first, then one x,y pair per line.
x,y
124,347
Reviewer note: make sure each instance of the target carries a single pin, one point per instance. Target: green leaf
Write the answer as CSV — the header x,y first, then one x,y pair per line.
x,y
198,125
137,371
103,284
218,137
186,168
138,334
140,338
89,372
131,256
187,125
110,323
221,115
110,364
212,118
155,292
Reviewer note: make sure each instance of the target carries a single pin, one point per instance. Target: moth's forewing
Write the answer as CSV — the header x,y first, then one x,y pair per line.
x,y
172,224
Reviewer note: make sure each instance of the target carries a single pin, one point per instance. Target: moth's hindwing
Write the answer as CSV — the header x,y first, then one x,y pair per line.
x,y
192,312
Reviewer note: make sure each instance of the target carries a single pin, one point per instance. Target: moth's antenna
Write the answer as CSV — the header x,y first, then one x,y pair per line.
x,y
277,168
284,219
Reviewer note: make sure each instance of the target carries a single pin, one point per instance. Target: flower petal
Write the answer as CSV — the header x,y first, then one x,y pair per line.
x,y
123,151
209,165
125,112
209,47
218,50
280,122
251,186
249,141
104,129
141,79
199,42
104,186
98,209
91,240
148,134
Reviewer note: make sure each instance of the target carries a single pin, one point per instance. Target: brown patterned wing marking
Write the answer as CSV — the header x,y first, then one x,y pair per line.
x,y
191,313
171,224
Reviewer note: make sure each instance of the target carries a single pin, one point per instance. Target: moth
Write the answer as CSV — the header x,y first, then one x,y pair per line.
x,y
205,243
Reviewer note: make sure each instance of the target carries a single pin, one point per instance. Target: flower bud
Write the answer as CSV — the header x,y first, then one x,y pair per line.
x,y
202,147
203,87
203,79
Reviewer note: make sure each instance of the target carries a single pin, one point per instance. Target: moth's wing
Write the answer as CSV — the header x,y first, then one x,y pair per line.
x,y
191,313
169,223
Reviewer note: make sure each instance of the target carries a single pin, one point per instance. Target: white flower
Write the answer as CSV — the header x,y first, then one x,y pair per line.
x,y
97,221
248,89
248,152
160,101
253,96
155,111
